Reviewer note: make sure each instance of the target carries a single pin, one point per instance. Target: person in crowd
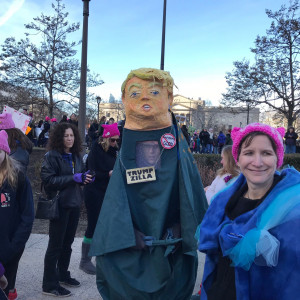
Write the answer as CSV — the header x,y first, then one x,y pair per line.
x,y
204,140
228,140
64,119
73,120
38,129
185,133
102,121
121,124
198,145
44,135
53,123
101,160
192,144
144,238
93,132
250,233
111,121
20,145
16,215
228,171
62,172
221,141
215,143
210,141
290,140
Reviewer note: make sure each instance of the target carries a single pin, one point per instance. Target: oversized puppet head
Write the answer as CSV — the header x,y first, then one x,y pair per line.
x,y
147,95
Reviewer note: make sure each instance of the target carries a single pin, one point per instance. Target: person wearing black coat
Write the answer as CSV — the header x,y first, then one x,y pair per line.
x,y
93,132
204,140
290,140
62,172
101,160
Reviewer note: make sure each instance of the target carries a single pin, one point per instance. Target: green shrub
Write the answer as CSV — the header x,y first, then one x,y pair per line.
x,y
293,160
208,164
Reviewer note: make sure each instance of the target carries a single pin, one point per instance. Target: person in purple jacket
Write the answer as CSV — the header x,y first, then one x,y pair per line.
x,y
16,214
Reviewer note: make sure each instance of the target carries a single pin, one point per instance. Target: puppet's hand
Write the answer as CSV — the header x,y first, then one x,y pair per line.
x,y
139,239
3,282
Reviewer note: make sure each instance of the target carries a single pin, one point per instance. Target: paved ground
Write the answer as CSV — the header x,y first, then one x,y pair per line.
x,y
29,280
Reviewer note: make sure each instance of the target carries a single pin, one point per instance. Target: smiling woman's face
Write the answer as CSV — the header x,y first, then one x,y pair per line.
x,y
258,161
145,100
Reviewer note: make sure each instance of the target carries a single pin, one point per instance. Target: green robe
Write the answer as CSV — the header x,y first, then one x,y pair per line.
x,y
176,196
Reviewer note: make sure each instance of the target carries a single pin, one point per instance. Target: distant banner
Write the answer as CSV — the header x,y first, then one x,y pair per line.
x,y
21,121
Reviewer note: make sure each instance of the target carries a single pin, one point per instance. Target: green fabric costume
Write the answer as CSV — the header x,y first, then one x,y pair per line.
x,y
176,196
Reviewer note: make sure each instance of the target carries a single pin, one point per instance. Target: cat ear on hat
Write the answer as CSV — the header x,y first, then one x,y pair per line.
x,y
281,131
234,132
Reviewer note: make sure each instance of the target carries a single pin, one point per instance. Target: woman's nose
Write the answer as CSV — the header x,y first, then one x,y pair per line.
x,y
257,160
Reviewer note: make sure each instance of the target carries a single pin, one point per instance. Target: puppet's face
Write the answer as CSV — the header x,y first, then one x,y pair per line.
x,y
145,99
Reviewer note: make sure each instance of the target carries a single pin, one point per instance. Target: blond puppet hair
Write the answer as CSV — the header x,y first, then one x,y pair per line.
x,y
151,75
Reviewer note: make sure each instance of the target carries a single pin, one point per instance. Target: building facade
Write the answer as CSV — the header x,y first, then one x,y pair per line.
x,y
199,116
112,110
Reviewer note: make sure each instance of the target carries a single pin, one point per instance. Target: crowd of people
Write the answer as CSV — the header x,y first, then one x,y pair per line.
x,y
209,142
144,200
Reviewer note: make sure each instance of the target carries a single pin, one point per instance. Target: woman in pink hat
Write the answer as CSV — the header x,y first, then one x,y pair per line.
x,y
20,145
101,160
250,233
16,214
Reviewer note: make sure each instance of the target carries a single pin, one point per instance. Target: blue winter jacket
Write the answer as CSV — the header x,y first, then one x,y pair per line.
x,y
217,231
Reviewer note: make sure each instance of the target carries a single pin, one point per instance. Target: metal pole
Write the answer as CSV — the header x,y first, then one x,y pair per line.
x,y
247,113
82,102
98,112
162,60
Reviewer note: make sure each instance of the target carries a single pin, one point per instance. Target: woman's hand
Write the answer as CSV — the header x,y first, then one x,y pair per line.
x,y
3,282
206,188
88,179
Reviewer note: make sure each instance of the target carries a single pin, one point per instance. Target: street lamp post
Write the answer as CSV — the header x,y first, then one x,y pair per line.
x,y
82,102
248,109
162,60
98,98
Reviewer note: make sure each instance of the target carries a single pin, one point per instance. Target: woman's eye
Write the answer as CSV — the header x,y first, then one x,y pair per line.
x,y
267,153
134,94
247,153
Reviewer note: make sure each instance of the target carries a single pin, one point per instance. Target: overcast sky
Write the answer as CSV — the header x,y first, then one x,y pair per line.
x,y
203,37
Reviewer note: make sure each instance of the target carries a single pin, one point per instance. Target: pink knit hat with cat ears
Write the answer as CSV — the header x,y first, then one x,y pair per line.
x,y
276,134
110,130
6,121
4,141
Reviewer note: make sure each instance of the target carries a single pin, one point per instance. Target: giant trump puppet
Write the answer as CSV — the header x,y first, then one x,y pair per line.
x,y
144,240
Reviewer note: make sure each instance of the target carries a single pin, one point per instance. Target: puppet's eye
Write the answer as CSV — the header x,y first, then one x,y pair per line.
x,y
154,92
134,94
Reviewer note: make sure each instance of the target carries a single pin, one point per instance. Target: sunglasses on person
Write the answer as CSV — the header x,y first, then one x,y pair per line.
x,y
114,140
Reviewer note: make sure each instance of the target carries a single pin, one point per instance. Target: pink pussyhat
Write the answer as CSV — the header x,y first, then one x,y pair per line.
x,y
110,130
47,118
4,141
6,121
276,134
53,120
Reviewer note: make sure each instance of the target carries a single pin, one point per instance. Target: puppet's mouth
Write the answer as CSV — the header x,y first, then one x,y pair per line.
x,y
146,107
